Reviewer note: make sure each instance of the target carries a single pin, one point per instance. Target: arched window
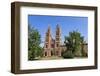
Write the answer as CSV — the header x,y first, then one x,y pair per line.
x,y
45,53
51,52
57,53
46,46
57,45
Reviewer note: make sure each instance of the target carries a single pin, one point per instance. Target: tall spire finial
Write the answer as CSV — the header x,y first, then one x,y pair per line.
x,y
57,25
48,28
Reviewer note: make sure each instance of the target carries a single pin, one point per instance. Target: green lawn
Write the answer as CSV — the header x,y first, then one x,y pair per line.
x,y
50,58
56,57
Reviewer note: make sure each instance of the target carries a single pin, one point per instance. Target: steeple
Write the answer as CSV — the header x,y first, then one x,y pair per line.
x,y
58,34
49,29
52,46
58,26
58,29
48,38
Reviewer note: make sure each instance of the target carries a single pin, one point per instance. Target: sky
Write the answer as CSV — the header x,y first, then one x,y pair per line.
x,y
66,23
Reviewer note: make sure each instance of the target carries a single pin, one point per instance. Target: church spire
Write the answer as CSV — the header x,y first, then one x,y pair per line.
x,y
58,34
58,30
57,26
48,38
49,30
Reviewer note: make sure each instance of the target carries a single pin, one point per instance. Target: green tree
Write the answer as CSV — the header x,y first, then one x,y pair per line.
x,y
73,43
34,40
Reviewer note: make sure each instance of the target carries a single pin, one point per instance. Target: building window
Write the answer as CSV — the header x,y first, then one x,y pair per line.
x,y
51,52
45,54
52,45
57,39
57,53
57,45
46,45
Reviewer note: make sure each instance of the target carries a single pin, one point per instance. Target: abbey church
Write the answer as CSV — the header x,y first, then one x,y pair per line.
x,y
53,46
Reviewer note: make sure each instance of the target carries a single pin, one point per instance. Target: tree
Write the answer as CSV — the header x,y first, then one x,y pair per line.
x,y
34,40
73,43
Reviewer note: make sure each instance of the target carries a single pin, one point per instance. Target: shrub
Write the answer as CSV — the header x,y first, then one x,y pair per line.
x,y
31,55
67,54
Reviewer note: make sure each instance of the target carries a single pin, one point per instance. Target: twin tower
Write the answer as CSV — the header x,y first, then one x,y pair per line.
x,y
52,46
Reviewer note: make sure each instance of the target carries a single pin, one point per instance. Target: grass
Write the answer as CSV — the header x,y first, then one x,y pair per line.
x,y
56,57
50,58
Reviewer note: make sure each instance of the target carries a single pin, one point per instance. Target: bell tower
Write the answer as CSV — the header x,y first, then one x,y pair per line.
x,y
48,38
58,41
57,38
47,45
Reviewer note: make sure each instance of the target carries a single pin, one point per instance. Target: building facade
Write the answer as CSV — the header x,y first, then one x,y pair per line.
x,y
53,47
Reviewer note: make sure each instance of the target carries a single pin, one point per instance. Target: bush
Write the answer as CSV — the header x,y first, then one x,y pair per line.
x,y
67,54
31,55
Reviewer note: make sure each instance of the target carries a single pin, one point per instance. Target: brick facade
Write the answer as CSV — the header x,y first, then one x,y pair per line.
x,y
53,47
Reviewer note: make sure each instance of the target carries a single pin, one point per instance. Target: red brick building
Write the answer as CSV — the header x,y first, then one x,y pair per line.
x,y
53,47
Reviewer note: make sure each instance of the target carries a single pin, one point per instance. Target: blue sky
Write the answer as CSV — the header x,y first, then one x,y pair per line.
x,y
67,24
